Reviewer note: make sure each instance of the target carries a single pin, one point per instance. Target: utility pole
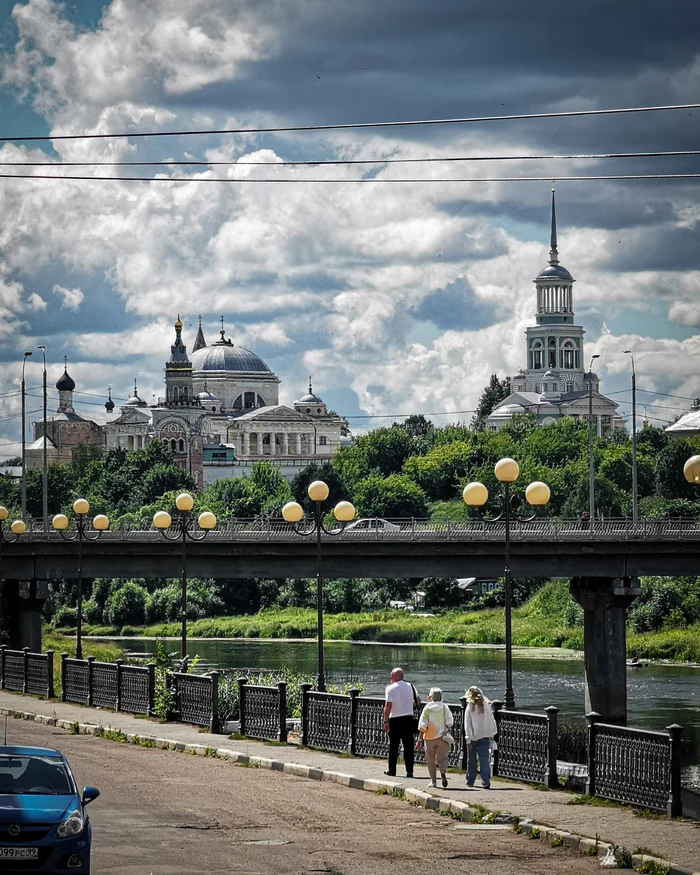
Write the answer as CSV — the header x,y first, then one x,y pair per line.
x,y
634,439
44,459
591,464
24,441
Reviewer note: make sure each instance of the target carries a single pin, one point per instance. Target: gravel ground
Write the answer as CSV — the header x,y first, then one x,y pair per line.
x,y
166,812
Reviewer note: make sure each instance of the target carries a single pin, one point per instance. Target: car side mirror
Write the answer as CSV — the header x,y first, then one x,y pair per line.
x,y
89,794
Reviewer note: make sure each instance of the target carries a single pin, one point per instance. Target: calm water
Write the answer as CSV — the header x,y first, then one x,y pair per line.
x,y
657,695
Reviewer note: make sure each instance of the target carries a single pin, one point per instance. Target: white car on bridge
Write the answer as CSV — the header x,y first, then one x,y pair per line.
x,y
373,524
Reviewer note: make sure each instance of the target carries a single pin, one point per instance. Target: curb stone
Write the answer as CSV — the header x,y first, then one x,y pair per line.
x,y
411,794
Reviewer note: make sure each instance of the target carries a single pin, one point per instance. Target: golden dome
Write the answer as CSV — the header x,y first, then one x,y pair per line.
x,y
178,324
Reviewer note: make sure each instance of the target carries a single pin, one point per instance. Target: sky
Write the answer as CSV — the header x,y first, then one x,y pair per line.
x,y
397,297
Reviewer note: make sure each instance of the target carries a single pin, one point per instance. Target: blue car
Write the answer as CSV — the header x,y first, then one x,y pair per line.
x,y
43,825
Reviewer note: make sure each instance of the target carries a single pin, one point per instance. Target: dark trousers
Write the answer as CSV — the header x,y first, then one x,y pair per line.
x,y
401,732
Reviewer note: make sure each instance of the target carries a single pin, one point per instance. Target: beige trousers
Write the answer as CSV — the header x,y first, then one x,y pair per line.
x,y
436,753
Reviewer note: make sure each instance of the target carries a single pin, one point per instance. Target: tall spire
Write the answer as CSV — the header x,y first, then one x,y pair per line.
x,y
553,251
311,391
199,341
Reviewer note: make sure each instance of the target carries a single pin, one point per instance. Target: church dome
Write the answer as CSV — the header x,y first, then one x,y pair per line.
x,y
135,401
555,271
310,398
66,383
225,357
551,375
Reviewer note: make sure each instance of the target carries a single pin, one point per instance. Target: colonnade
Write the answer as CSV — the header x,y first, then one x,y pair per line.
x,y
272,443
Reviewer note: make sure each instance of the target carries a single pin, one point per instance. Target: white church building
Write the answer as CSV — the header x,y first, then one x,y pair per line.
x,y
554,382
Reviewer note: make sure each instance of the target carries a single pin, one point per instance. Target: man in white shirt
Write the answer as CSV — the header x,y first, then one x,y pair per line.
x,y
399,721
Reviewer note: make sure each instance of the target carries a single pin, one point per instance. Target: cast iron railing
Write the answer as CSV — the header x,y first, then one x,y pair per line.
x,y
108,684
326,719
197,698
263,710
635,766
526,745
26,672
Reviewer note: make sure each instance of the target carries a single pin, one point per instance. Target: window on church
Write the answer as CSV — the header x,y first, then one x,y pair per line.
x,y
568,356
238,403
536,359
250,400
173,445
176,395
184,393
552,358
323,440
181,446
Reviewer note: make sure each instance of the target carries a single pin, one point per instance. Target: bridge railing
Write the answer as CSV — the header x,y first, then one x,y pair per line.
x,y
196,698
526,745
635,766
26,672
129,688
426,530
263,710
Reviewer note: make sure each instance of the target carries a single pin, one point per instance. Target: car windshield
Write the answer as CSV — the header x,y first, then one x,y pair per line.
x,y
33,774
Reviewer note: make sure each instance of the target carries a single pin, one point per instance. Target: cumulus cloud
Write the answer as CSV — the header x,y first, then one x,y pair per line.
x,y
71,298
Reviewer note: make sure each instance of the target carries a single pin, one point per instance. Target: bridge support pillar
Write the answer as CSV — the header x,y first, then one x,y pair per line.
x,y
605,601
23,601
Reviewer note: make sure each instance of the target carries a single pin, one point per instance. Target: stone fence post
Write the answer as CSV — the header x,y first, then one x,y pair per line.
x,y
64,657
497,707
49,674
214,723
151,666
304,740
90,661
551,776
463,734
593,718
674,808
241,704
352,745
25,673
118,704
282,693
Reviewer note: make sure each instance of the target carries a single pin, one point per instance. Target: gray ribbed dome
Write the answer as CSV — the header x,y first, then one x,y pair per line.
x,y
222,357
554,271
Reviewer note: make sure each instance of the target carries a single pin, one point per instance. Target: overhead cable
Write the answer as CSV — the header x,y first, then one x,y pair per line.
x,y
286,129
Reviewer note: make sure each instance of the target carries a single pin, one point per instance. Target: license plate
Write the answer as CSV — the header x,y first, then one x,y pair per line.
x,y
19,853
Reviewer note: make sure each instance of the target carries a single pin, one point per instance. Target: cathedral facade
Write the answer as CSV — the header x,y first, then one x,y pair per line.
x,y
554,382
220,414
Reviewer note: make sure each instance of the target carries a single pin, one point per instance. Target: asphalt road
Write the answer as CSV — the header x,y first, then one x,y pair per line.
x,y
168,813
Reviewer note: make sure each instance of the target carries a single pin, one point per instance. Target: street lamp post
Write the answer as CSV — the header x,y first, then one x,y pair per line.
x,y
181,529
634,438
293,513
591,462
24,440
44,459
537,494
99,524
18,528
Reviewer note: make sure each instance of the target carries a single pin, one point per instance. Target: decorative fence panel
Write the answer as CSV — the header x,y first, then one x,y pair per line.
x,y
75,680
370,738
526,745
635,766
197,698
104,685
326,722
263,710
26,672
136,688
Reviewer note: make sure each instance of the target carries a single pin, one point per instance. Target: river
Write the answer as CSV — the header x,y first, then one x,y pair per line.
x,y
658,695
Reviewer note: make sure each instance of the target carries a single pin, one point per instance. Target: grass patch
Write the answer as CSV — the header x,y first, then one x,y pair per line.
x,y
558,842
112,735
535,832
649,867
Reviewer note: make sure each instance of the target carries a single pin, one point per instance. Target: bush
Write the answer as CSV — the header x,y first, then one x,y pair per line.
x,y
65,617
572,746
127,605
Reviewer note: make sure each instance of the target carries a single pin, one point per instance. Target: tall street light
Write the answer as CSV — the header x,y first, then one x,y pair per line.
x,y
17,528
634,438
293,513
44,457
537,494
100,524
591,463
24,440
181,529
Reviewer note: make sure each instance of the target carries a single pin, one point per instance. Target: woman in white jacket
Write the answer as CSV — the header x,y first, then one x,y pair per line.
x,y
435,721
479,730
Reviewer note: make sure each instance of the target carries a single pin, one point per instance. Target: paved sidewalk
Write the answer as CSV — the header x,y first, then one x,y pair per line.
x,y
675,841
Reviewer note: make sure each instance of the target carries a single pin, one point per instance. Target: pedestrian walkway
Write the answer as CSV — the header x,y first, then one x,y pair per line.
x,y
675,841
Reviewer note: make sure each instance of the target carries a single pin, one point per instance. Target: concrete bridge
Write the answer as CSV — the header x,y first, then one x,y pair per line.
x,y
548,548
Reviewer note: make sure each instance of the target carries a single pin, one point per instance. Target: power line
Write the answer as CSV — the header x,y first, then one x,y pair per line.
x,y
322,180
667,395
353,161
357,125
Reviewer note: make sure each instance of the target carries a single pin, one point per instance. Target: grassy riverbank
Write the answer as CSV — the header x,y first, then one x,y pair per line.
x,y
542,622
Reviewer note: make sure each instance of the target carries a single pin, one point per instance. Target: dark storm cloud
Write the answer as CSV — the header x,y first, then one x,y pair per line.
x,y
670,249
456,307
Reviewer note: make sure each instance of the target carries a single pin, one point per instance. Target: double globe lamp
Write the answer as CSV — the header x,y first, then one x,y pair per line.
x,y
293,512
100,524
537,495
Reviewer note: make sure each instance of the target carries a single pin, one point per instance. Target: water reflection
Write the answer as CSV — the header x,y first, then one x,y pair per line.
x,y
657,695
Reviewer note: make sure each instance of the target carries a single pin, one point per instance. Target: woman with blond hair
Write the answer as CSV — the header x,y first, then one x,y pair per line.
x,y
434,728
479,730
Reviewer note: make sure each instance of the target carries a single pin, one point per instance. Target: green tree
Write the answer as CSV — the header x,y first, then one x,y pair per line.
x,y
394,496
496,391
126,605
416,426
382,451
337,490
